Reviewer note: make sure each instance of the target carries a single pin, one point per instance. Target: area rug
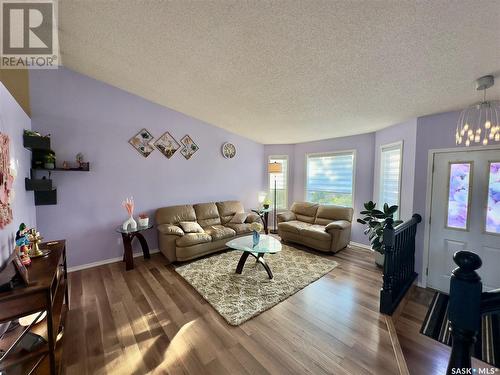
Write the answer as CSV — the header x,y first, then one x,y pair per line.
x,y
436,326
238,298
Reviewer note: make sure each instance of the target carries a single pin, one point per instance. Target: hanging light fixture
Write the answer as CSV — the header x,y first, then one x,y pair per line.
x,y
480,123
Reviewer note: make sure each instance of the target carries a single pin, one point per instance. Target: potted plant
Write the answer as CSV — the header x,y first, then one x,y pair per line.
x,y
375,222
49,160
267,202
143,220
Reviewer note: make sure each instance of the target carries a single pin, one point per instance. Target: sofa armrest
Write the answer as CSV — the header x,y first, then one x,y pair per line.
x,y
252,218
286,216
338,224
170,229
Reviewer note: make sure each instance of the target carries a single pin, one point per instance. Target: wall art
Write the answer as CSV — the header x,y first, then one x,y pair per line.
x,y
6,182
228,150
167,145
143,142
189,147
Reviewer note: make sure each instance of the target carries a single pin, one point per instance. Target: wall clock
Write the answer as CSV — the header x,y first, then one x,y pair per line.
x,y
228,150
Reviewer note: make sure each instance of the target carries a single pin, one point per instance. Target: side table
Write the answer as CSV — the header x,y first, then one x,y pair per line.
x,y
128,236
264,215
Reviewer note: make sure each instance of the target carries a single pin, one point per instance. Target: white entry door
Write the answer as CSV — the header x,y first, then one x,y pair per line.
x,y
465,214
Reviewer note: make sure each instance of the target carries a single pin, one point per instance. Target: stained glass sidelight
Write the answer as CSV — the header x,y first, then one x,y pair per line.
x,y
458,195
493,208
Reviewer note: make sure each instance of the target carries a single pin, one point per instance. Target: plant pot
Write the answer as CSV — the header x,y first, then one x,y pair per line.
x,y
49,166
143,222
379,259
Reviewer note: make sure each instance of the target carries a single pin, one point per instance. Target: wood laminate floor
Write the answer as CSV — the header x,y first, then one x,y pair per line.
x,y
149,320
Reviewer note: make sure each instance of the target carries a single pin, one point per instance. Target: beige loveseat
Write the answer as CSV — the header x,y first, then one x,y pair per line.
x,y
215,220
322,227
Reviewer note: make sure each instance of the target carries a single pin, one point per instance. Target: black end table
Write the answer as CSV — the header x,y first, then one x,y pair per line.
x,y
128,236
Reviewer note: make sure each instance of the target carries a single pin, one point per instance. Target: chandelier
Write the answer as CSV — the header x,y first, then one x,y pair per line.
x,y
480,123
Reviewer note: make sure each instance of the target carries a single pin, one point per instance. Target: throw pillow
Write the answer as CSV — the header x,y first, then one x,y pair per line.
x,y
191,227
239,218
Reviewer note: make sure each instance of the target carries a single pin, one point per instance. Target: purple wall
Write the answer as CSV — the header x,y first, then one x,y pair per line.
x,y
433,132
88,116
406,132
12,122
363,144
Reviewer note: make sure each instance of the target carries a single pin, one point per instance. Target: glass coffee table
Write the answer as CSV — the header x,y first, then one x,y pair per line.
x,y
266,245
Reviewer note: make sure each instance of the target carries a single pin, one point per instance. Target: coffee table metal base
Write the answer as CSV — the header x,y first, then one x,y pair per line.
x,y
260,259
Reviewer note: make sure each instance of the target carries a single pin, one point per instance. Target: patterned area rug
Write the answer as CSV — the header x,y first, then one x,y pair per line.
x,y
239,298
436,326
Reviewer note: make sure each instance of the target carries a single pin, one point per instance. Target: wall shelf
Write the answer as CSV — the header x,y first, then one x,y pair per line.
x,y
37,184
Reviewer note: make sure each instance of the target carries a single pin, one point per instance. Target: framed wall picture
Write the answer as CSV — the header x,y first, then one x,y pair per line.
x,y
189,147
167,145
143,142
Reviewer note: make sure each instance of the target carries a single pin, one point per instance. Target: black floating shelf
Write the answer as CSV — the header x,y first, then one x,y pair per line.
x,y
36,143
45,198
35,184
62,169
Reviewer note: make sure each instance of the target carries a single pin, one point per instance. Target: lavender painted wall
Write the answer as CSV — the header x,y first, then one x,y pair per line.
x,y
12,122
406,132
364,146
433,132
85,115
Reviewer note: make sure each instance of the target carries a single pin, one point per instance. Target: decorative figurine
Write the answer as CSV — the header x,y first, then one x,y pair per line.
x,y
79,159
22,243
35,239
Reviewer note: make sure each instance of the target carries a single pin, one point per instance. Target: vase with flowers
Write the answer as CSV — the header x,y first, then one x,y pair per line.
x,y
267,202
256,228
143,220
129,206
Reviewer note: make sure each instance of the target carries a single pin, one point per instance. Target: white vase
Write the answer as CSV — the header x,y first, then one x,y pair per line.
x,y
130,221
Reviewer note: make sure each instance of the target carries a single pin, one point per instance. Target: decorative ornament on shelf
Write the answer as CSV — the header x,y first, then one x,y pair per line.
x,y
228,150
35,240
143,220
129,206
22,244
480,123
256,228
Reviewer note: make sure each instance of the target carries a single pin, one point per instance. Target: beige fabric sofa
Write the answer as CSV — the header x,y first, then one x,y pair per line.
x,y
322,227
213,217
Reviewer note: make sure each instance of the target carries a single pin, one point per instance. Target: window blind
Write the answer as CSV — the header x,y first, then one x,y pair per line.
x,y
390,175
281,182
330,178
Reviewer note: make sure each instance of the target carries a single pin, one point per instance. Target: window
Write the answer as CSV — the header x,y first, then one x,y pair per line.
x,y
330,178
281,182
458,195
390,175
493,207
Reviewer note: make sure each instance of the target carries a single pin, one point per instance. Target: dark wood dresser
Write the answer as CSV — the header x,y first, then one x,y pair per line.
x,y
47,291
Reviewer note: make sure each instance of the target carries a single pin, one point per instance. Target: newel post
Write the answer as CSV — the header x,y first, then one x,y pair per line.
x,y
464,310
388,278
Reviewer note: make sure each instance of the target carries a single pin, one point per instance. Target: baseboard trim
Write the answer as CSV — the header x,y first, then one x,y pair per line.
x,y
106,261
361,245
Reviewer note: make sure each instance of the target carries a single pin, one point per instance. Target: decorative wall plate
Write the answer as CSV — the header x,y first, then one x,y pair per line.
x,y
228,150
167,145
143,142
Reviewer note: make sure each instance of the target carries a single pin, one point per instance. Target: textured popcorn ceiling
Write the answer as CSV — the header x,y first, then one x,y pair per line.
x,y
288,71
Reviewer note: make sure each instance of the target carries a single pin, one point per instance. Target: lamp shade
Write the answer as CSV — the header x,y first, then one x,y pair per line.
x,y
274,167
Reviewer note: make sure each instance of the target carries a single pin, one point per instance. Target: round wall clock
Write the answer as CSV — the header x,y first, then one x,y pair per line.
x,y
228,150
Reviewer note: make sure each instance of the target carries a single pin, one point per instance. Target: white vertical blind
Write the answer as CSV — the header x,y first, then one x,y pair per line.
x,y
390,175
281,182
330,178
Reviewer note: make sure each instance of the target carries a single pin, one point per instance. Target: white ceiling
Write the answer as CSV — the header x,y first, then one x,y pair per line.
x,y
288,71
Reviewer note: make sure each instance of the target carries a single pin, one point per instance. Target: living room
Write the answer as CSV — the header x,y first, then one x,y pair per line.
x,y
200,178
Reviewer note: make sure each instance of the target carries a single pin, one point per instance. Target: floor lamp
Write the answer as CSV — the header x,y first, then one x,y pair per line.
x,y
274,168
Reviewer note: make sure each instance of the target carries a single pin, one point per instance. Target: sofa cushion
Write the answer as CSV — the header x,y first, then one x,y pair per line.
x,y
239,218
175,214
293,226
190,239
227,209
191,227
316,231
218,232
305,211
170,229
239,228
328,213
207,214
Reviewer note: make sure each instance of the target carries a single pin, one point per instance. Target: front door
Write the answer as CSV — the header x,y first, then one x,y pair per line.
x,y
465,214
